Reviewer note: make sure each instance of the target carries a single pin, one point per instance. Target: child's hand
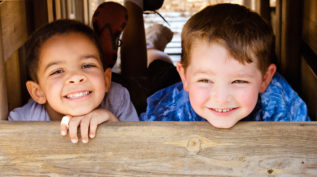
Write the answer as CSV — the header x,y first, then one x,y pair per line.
x,y
88,122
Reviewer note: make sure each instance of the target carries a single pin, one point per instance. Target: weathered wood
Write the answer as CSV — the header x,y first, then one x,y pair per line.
x,y
14,27
50,11
161,149
309,31
263,8
308,56
290,41
277,24
13,80
3,88
309,87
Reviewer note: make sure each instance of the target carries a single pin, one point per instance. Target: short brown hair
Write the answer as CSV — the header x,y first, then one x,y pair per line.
x,y
243,32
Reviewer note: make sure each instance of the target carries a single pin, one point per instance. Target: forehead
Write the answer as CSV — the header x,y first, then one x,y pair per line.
x,y
213,56
77,39
62,46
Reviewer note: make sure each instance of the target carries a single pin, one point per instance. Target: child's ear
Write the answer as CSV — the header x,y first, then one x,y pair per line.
x,y
268,77
108,74
36,92
182,74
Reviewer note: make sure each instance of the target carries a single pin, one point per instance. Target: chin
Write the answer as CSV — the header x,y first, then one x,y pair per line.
x,y
223,125
79,112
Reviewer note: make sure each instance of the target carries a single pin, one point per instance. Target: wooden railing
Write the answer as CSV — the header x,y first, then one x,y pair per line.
x,y
161,149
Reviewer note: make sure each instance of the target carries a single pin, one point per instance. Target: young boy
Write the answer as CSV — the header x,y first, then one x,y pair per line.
x,y
227,73
68,78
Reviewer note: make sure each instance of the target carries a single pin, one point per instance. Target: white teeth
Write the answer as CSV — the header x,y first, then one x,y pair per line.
x,y
223,110
77,95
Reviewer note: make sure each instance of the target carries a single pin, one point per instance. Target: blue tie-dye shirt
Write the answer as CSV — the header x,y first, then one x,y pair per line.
x,y
278,103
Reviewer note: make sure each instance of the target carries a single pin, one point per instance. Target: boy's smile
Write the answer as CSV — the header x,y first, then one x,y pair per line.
x,y
221,90
71,75
78,95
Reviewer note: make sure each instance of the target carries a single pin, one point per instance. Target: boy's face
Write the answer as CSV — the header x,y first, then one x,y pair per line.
x,y
221,89
70,74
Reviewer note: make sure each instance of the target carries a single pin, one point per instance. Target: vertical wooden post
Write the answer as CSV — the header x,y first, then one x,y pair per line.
x,y
278,27
86,12
58,9
3,88
263,7
50,11
291,25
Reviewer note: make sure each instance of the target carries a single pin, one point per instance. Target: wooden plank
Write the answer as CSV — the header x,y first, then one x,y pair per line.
x,y
50,10
58,9
3,88
161,149
86,12
12,69
290,41
263,8
278,31
309,31
309,87
14,27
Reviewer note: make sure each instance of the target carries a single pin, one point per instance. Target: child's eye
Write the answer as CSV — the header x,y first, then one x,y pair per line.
x,y
204,81
240,82
57,72
88,66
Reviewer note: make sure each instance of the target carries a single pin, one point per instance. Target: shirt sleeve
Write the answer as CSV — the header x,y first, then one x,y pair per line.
x,y
127,110
119,103
281,103
31,111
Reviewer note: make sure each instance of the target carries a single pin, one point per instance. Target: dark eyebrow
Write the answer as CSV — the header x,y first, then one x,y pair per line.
x,y
51,64
90,56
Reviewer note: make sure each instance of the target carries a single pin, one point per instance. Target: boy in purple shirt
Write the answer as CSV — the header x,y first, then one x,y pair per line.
x,y
69,78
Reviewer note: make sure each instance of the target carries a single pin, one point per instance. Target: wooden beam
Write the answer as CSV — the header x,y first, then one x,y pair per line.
x,y
291,22
309,31
58,9
50,11
161,149
14,26
278,31
263,8
3,88
86,12
13,80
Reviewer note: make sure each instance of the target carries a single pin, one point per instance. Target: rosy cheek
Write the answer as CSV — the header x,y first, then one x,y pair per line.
x,y
248,98
199,95
53,86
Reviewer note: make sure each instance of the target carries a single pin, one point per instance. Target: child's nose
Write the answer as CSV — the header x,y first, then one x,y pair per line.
x,y
220,94
76,78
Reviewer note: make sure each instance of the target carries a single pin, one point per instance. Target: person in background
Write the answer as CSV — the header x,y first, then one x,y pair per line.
x,y
145,68
157,37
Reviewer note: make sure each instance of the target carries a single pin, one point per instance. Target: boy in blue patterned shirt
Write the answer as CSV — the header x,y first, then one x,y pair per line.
x,y
227,73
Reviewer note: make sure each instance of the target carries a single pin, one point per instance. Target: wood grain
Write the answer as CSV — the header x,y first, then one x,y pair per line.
x,y
3,87
14,26
161,149
309,30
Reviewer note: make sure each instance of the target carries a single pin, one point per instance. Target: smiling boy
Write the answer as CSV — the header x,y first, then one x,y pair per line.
x,y
227,73
68,78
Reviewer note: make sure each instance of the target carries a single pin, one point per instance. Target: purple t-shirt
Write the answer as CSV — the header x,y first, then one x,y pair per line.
x,y
117,101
